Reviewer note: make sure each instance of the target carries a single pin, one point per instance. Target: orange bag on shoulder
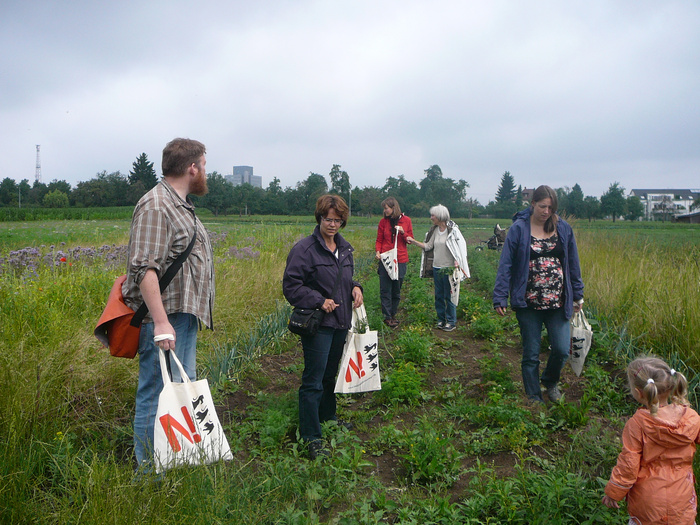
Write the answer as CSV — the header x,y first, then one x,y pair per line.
x,y
119,326
114,328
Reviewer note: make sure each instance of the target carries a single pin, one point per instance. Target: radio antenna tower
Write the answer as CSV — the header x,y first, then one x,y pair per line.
x,y
37,174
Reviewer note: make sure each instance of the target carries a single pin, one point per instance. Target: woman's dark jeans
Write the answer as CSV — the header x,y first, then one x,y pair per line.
x,y
322,353
559,334
390,290
445,309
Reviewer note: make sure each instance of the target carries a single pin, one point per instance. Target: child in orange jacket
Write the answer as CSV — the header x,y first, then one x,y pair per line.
x,y
654,471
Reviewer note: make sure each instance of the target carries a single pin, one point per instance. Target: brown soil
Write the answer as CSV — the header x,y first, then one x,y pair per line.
x,y
281,374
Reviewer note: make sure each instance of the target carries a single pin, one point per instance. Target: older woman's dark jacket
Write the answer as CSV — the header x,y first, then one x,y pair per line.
x,y
311,273
514,265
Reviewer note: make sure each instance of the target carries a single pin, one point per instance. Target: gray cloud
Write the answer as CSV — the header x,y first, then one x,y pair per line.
x,y
556,93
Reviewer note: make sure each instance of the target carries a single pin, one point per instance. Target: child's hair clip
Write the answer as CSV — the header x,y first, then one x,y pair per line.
x,y
650,380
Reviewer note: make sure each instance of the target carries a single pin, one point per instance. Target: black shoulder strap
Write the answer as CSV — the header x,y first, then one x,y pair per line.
x,y
167,277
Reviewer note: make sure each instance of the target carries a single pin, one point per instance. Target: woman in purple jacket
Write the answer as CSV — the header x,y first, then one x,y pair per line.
x,y
313,265
539,268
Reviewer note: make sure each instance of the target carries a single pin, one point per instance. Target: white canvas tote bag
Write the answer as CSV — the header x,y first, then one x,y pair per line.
x,y
455,277
359,366
581,339
390,260
187,429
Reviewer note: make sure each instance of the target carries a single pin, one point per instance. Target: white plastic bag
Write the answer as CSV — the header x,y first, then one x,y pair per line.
x,y
359,366
390,260
581,339
187,429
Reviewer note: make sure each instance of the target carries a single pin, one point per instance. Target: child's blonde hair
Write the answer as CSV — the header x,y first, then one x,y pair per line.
x,y
654,378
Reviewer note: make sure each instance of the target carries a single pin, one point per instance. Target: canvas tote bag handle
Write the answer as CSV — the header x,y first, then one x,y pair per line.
x,y
579,320
164,367
359,316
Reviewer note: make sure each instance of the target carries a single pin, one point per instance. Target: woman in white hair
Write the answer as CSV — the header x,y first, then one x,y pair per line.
x,y
444,250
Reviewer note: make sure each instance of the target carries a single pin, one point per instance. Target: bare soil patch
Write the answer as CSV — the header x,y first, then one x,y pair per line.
x,y
461,355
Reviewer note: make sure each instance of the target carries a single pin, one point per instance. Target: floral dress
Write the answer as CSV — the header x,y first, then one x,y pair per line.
x,y
545,282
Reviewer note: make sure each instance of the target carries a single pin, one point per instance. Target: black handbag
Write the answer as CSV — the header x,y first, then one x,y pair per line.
x,y
307,321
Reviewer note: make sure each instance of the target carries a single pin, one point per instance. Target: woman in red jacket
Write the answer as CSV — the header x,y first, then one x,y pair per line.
x,y
392,224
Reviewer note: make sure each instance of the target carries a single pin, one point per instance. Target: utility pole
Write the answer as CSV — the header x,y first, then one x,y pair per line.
x,y
37,173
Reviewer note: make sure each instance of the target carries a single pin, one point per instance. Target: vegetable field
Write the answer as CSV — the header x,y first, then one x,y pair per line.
x,y
449,438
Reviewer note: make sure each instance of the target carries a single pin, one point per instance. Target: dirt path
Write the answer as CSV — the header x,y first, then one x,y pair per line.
x,y
280,374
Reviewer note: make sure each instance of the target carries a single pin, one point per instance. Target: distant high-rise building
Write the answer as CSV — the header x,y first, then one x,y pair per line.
x,y
244,175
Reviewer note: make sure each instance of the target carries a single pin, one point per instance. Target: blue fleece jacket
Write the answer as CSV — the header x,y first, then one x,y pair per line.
x,y
514,265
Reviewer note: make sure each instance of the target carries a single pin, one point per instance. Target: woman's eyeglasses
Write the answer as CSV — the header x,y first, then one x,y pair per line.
x,y
332,221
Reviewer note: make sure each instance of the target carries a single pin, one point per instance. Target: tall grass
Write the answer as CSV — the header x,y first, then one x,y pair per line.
x,y
66,417
650,289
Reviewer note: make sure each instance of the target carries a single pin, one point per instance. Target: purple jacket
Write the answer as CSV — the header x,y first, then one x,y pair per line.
x,y
513,267
311,273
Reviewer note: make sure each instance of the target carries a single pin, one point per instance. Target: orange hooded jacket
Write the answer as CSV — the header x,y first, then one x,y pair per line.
x,y
655,468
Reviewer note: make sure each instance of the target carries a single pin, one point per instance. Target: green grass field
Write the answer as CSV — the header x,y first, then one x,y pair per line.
x,y
67,418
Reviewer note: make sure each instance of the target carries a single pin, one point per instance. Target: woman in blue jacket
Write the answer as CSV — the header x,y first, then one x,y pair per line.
x,y
313,266
539,268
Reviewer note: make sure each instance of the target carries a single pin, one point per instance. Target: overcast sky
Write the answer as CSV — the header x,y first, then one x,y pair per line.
x,y
556,92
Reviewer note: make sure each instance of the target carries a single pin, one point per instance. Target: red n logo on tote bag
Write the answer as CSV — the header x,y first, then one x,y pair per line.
x,y
170,425
357,367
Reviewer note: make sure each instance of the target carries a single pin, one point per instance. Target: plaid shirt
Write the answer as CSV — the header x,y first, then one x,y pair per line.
x,y
161,229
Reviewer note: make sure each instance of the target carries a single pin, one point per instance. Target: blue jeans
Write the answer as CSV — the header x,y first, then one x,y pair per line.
x,y
322,353
390,291
446,311
151,380
559,333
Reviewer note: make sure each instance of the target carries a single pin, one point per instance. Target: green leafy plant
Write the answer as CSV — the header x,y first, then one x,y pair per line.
x,y
575,415
431,456
486,327
413,344
274,418
494,372
404,385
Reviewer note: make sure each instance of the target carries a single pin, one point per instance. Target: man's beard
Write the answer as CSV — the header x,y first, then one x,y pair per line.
x,y
199,185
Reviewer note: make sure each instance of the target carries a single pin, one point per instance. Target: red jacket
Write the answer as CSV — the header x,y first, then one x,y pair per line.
x,y
655,468
385,237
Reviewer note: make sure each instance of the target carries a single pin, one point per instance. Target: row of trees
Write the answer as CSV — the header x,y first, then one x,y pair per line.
x,y
116,189
612,203
415,199
106,189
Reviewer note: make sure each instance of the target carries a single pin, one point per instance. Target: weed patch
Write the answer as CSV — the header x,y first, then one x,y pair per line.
x,y
404,384
413,345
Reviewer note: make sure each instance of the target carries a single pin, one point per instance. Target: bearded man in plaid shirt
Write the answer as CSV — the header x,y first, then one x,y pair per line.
x,y
162,227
